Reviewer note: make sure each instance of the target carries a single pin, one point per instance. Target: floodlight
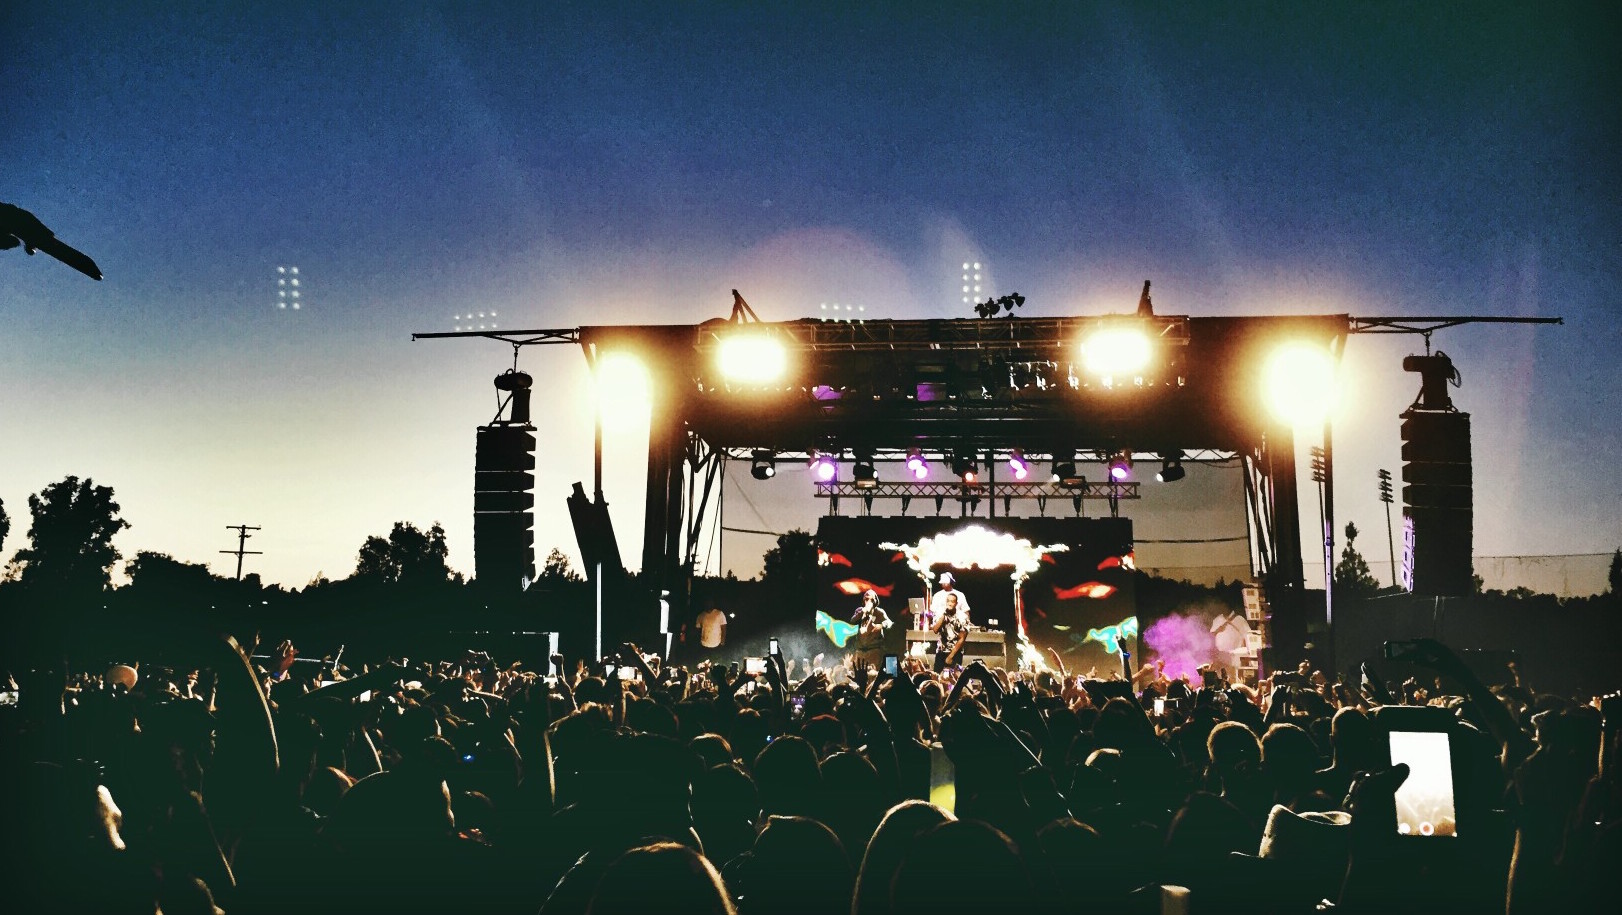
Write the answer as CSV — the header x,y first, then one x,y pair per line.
x,y
1020,467
963,464
1300,384
916,465
624,391
824,468
1120,467
1171,468
1116,351
764,465
752,358
863,474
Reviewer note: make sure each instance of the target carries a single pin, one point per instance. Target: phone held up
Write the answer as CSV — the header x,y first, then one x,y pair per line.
x,y
1424,738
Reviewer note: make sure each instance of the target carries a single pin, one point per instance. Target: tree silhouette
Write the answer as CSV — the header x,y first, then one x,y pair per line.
x,y
1352,576
5,524
789,575
408,556
558,569
71,538
1614,577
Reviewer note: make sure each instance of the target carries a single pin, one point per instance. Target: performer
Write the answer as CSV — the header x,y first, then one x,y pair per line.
x,y
951,630
871,622
937,601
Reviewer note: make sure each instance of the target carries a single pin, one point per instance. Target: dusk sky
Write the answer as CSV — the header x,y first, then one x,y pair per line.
x,y
559,164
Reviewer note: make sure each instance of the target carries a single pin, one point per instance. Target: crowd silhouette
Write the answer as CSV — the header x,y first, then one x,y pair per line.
x,y
244,782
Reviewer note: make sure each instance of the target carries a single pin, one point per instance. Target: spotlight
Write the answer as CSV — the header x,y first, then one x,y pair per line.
x,y
1019,464
1116,351
1171,468
1064,472
916,465
1120,467
764,466
824,468
752,358
1300,381
863,474
964,466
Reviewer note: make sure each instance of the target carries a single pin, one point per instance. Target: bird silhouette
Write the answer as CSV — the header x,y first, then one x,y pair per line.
x,y
20,227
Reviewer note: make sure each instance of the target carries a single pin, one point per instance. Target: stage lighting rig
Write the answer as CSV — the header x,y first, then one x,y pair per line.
x,y
1300,384
1171,468
863,473
763,465
1018,466
824,468
967,470
1120,467
917,465
751,357
1064,471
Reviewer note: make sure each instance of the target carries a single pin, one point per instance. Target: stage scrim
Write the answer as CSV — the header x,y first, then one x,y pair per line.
x,y
1084,586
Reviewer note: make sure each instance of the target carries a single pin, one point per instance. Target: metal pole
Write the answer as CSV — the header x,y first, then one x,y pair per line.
x,y
599,655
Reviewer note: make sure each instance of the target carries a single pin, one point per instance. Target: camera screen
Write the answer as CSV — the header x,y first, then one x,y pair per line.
x,y
891,665
754,666
1425,800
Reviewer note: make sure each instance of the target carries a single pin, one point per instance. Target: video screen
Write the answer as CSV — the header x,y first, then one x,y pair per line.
x,y
1425,800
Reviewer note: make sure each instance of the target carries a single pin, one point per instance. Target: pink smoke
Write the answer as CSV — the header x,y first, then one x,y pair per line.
x,y
1183,641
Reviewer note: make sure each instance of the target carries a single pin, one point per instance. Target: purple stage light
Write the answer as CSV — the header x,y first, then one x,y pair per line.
x,y
825,468
1020,466
917,465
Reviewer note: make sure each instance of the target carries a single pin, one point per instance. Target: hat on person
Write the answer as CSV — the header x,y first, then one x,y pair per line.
x,y
947,578
1303,855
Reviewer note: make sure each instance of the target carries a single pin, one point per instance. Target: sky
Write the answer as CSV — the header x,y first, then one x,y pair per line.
x,y
559,164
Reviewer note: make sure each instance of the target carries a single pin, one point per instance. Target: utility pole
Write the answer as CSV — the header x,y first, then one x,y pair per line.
x,y
1390,544
242,543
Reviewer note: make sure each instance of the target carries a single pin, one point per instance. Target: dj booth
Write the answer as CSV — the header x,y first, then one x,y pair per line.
x,y
993,647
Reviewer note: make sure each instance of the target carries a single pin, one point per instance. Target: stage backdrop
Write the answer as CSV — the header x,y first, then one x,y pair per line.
x,y
1074,575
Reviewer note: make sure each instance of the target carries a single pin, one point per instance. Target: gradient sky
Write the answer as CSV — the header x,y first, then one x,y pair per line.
x,y
570,163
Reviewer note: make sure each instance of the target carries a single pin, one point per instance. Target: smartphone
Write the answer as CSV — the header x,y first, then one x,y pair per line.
x,y
796,708
1425,802
754,667
365,695
1160,706
1397,650
771,649
892,665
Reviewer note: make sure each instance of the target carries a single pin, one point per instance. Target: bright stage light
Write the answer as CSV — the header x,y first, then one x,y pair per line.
x,y
1299,384
916,465
624,391
1020,467
824,468
763,466
1120,467
1112,352
752,358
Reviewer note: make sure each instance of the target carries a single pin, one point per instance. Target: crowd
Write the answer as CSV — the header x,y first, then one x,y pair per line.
x,y
265,783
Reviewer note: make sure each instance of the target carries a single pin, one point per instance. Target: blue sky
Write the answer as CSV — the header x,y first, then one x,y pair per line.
x,y
571,163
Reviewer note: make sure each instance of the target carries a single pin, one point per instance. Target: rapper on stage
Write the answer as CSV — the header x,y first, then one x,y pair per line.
x,y
950,608
871,622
